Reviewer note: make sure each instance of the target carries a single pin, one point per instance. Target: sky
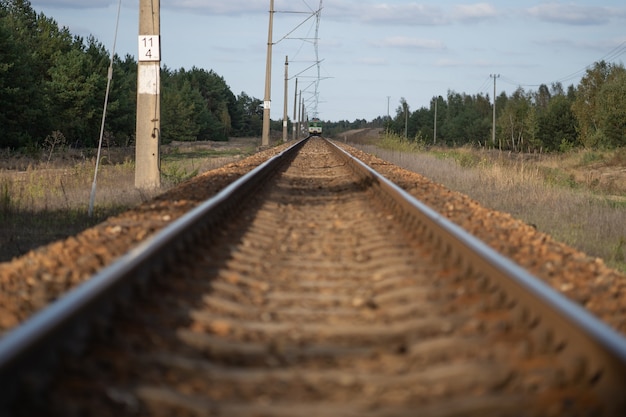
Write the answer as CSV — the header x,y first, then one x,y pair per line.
x,y
371,53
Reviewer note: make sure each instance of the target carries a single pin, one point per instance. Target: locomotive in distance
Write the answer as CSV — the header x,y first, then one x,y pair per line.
x,y
315,127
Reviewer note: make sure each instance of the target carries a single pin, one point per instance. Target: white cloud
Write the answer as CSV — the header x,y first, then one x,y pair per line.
x,y
208,7
571,14
474,12
241,7
413,13
72,4
382,13
220,7
204,7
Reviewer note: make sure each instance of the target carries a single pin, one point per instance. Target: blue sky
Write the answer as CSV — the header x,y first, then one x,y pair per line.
x,y
371,50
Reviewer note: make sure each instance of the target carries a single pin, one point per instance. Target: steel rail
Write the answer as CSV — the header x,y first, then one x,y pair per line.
x,y
594,353
598,352
63,325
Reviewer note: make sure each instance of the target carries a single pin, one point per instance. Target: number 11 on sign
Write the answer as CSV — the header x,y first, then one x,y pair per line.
x,y
149,48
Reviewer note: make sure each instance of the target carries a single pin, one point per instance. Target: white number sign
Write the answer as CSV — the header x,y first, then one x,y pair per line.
x,y
149,48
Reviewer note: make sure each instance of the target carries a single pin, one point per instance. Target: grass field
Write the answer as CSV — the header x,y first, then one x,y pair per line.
x,y
45,200
579,198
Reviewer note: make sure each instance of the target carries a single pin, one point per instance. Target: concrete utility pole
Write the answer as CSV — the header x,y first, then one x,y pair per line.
x,y
300,106
435,130
148,126
493,125
285,117
265,140
406,120
295,111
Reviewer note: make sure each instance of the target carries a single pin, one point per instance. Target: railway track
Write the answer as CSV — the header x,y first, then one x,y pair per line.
x,y
310,287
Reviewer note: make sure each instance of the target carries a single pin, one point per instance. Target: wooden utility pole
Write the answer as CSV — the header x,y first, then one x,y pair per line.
x,y
265,139
148,126
285,117
493,124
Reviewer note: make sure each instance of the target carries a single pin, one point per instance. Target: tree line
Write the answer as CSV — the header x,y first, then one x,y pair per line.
x,y
52,88
552,118
52,84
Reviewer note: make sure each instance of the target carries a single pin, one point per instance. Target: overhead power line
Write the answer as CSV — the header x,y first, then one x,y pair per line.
x,y
318,14
312,103
612,55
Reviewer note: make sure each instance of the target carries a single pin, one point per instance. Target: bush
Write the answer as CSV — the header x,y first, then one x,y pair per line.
x,y
565,146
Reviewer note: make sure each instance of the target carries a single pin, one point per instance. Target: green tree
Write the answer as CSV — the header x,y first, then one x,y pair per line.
x,y
398,123
76,94
452,130
11,69
542,97
184,111
476,119
585,106
248,116
557,124
611,108
516,122
423,124
177,114
219,99
22,111
121,114
39,42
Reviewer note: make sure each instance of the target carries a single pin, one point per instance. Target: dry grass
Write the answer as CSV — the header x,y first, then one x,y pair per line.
x,y
579,199
42,201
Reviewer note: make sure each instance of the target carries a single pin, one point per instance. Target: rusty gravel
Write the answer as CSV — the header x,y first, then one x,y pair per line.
x,y
583,279
29,283
314,300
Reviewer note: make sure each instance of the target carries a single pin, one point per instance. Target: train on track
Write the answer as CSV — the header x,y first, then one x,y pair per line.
x,y
315,127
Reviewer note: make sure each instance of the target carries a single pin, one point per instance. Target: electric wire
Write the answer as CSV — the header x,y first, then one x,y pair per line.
x,y
610,56
92,196
312,102
486,82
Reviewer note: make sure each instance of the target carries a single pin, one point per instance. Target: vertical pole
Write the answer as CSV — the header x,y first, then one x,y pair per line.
x,y
493,124
303,118
265,140
406,120
300,105
285,117
148,126
295,110
435,130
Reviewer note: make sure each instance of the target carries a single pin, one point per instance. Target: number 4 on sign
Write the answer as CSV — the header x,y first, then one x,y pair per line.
x,y
149,48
